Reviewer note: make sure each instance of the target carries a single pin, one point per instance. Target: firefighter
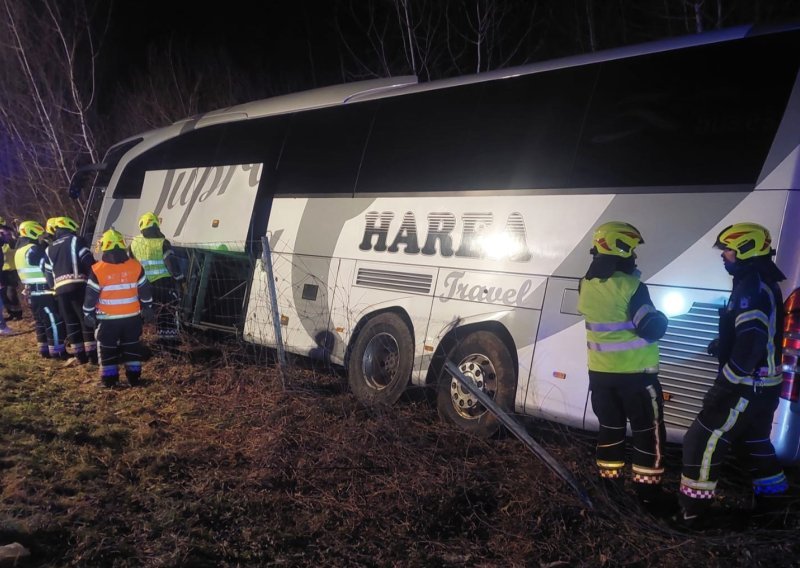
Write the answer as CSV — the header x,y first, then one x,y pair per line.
x,y
117,293
67,264
9,280
622,330
737,410
29,260
49,231
164,274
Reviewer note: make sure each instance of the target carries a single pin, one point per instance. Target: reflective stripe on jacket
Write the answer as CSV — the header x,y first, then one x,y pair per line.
x,y
613,345
118,283
150,252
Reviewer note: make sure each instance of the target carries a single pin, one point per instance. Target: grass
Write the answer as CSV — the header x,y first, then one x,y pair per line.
x,y
216,465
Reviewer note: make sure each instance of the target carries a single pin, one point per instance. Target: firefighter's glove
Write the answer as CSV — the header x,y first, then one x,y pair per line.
x,y
713,347
148,315
174,295
89,321
719,396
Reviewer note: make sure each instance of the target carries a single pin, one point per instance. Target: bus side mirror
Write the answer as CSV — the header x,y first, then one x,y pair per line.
x,y
82,179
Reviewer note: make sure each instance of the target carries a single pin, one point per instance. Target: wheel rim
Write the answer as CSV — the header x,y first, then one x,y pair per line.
x,y
381,361
480,370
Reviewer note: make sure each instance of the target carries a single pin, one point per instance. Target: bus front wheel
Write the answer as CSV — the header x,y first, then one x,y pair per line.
x,y
380,362
487,362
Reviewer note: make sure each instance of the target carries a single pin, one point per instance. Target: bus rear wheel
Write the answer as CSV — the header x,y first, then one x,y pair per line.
x,y
380,362
486,360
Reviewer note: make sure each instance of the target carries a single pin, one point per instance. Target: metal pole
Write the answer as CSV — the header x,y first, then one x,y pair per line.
x,y
266,262
520,433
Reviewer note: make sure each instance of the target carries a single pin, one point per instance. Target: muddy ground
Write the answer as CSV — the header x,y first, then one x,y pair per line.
x,y
217,461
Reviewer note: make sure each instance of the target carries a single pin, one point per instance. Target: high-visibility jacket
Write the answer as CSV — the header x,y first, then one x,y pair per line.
x,y
118,287
30,273
150,252
611,339
8,257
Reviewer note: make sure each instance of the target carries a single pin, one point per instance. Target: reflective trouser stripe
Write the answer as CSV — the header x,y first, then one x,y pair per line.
x,y
711,446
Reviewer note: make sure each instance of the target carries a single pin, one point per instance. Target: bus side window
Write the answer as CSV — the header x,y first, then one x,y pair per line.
x,y
514,133
700,116
323,150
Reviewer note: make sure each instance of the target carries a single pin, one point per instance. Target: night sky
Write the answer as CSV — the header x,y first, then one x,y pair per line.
x,y
293,42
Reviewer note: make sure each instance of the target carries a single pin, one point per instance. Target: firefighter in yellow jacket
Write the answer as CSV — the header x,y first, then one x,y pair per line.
x,y
29,260
622,330
163,272
117,299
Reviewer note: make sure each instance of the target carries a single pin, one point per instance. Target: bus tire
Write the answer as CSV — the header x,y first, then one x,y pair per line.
x,y
484,358
379,366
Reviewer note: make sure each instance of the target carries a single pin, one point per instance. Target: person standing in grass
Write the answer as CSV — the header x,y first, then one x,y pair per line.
x,y
117,298
67,264
622,331
29,260
163,272
738,409
8,276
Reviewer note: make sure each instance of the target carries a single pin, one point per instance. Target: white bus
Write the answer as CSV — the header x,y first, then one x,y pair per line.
x,y
410,223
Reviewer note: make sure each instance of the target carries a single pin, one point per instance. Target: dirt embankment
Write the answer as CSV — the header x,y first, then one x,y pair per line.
x,y
213,463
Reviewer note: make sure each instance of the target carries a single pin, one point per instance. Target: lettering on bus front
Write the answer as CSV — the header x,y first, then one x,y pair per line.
x,y
477,239
185,189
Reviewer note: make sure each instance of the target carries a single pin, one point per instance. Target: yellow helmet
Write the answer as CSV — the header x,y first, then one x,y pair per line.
x,y
112,239
617,238
149,219
2,220
748,240
50,226
65,223
31,230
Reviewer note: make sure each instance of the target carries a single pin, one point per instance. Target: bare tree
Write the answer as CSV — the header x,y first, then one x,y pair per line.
x,y
177,83
48,51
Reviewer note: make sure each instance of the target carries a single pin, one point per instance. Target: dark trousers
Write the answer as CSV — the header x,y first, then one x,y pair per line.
x,y
50,328
9,281
636,397
165,301
733,417
118,343
80,337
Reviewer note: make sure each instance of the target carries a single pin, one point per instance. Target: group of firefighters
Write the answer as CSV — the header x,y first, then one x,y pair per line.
x,y
96,307
623,328
91,310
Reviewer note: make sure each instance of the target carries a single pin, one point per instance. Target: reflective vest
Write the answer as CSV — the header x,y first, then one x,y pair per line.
x,y
611,336
8,257
150,252
119,289
31,275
